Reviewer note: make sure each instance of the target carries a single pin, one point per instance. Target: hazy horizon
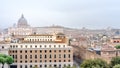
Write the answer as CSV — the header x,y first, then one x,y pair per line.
x,y
91,14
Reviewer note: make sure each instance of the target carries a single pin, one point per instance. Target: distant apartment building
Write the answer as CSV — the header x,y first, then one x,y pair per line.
x,y
115,40
79,41
4,48
42,51
108,52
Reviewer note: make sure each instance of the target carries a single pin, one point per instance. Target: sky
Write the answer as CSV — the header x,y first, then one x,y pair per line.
x,y
93,14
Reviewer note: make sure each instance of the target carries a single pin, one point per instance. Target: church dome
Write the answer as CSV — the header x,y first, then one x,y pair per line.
x,y
22,22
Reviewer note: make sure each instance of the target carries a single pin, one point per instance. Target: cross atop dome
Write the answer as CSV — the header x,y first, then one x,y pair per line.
x,y
22,16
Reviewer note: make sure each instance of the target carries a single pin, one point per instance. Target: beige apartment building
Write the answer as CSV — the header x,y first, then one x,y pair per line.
x,y
42,51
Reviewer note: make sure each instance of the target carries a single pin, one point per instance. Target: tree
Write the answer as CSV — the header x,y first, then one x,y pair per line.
x,y
117,46
115,61
9,60
2,60
116,66
6,59
96,63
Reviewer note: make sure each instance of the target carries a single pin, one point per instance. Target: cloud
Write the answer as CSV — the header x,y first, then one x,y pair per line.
x,y
71,13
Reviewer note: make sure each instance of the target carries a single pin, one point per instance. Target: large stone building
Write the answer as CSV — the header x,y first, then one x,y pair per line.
x,y
42,51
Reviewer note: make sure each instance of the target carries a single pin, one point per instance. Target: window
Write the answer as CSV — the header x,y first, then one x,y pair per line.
x,y
54,60
64,56
59,60
45,66
59,50
45,60
50,56
26,46
55,65
64,50
30,61
68,50
20,51
64,65
30,39
16,56
54,45
35,60
2,47
13,51
16,51
45,46
30,66
68,55
59,55
35,46
68,60
30,56
40,65
13,56
59,65
45,51
25,61
40,56
16,61
20,66
50,60
35,56
16,46
20,56
50,51
35,51
45,56
54,56
59,45
13,46
21,46
25,66
40,60
20,61
40,51
9,51
30,51
54,50
114,41
69,65
25,51
10,46
25,56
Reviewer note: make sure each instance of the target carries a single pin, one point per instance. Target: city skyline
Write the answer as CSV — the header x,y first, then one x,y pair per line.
x,y
76,14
